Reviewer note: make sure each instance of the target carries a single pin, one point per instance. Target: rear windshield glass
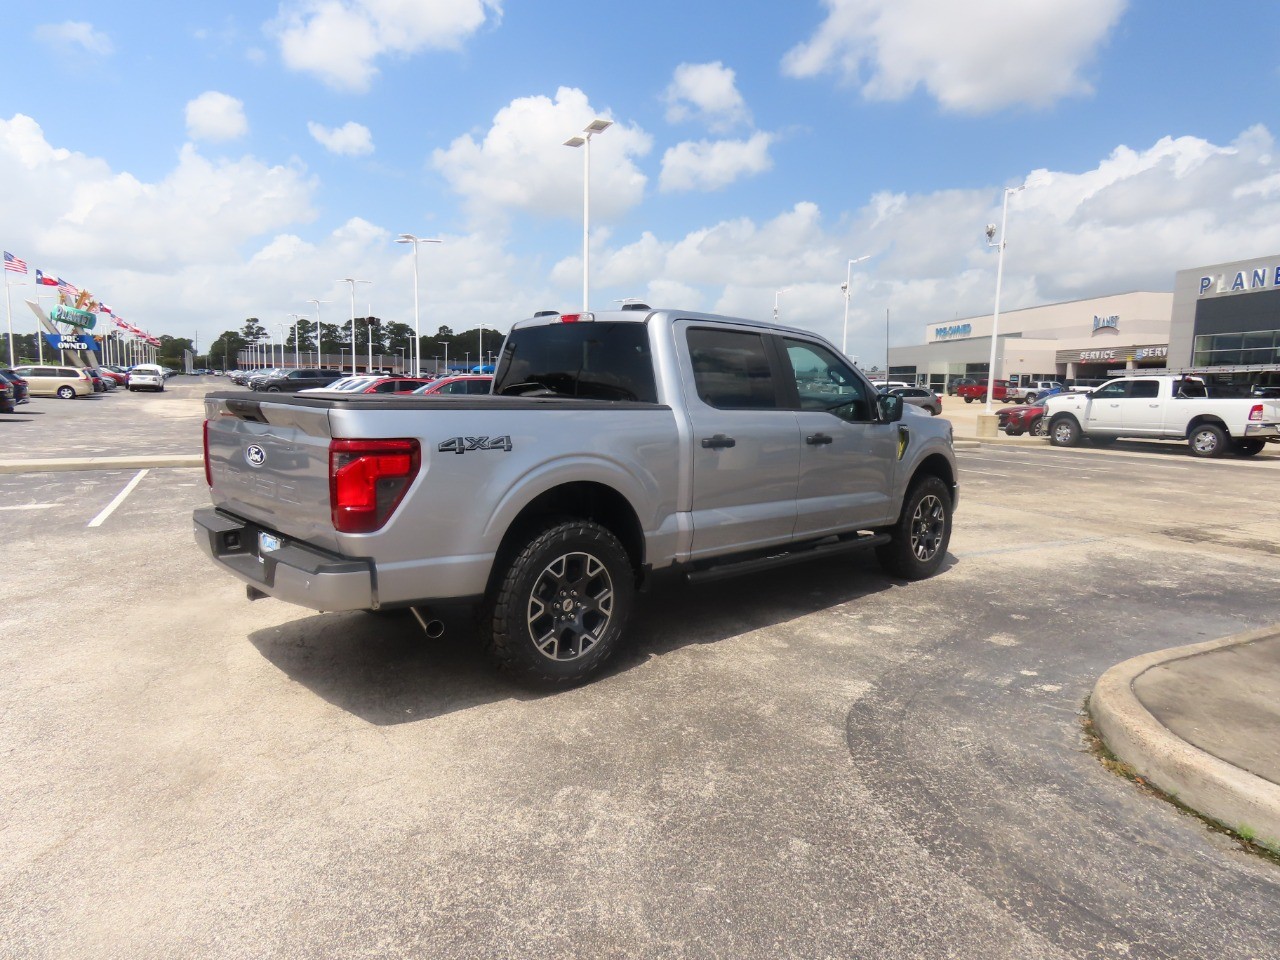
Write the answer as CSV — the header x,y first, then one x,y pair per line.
x,y
593,361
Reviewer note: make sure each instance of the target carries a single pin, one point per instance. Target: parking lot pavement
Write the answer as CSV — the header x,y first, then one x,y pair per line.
x,y
818,761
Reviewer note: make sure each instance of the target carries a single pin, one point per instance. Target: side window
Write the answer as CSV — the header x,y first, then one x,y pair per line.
x,y
825,382
1113,391
458,386
69,373
731,370
1144,389
388,386
477,386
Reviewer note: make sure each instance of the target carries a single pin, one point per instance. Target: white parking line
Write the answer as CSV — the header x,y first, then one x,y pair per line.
x,y
31,506
984,473
120,497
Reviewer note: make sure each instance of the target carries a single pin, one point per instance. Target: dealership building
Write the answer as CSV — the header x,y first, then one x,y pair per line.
x,y
1223,319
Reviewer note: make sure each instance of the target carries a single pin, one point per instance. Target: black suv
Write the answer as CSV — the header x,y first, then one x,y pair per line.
x,y
292,381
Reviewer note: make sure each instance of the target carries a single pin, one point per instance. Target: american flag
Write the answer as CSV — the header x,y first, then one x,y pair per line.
x,y
16,264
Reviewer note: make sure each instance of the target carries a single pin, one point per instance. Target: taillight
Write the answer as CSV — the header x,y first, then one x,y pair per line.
x,y
208,471
1256,412
368,479
575,317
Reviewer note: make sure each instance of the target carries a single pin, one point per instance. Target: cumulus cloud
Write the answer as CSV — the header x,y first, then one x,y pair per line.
x,y
340,40
706,92
75,35
521,163
351,139
710,165
216,116
973,57
1129,223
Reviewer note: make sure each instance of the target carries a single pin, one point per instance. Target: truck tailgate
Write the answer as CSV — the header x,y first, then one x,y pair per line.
x,y
269,462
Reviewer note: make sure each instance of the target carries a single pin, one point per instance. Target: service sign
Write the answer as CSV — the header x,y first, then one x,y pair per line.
x,y
66,341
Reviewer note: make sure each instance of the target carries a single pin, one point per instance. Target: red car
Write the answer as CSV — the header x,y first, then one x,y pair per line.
x,y
1015,421
453,386
394,385
120,379
978,391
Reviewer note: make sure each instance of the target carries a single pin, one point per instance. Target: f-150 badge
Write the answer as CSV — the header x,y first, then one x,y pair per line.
x,y
467,444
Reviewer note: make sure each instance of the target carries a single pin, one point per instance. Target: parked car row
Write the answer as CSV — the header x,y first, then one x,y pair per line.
x,y
326,382
69,382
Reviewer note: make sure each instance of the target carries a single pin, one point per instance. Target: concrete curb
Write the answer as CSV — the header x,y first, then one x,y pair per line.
x,y
1199,780
100,463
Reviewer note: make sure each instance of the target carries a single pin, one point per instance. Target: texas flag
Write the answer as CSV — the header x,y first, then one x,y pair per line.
x,y
103,308
43,281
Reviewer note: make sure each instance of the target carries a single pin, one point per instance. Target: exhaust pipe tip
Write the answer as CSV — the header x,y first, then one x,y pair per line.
x,y
434,629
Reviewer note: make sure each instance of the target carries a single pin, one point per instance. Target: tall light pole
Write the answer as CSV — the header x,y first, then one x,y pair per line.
x,y
283,338
353,282
317,303
848,279
776,295
417,333
995,318
445,344
296,343
592,128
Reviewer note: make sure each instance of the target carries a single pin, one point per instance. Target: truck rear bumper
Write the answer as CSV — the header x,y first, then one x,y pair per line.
x,y
1262,430
289,571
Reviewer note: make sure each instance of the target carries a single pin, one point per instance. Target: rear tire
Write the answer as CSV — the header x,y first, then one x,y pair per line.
x,y
968,399
1012,433
558,610
1039,427
1064,432
922,533
67,393
1249,447
1207,440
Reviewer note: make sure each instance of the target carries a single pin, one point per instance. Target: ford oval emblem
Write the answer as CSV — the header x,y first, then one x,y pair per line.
x,y
254,455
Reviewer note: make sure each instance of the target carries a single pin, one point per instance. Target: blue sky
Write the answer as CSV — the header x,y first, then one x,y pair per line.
x,y
193,165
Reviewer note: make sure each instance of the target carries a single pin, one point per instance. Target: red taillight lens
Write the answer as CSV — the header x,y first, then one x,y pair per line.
x,y
368,479
208,472
569,317
1256,412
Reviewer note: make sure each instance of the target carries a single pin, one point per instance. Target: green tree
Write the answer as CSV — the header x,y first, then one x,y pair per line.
x,y
225,350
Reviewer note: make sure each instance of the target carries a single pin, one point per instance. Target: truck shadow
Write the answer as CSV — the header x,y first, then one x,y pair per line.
x,y
382,669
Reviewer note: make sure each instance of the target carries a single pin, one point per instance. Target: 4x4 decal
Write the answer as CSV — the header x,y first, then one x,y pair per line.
x,y
465,444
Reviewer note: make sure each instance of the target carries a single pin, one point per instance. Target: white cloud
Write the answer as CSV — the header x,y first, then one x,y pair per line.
x,y
972,57
351,139
216,116
710,165
521,164
75,35
340,40
706,92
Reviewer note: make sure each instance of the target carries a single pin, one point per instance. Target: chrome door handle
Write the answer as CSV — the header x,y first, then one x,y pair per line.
x,y
718,442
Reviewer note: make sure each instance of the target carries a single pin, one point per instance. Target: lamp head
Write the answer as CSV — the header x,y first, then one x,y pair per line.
x,y
991,231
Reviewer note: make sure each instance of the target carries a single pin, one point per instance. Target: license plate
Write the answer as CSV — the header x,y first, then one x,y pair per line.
x,y
267,543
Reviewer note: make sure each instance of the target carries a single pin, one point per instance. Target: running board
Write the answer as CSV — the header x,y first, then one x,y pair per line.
x,y
720,571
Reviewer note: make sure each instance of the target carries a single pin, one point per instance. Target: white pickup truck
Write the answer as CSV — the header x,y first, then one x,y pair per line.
x,y
1170,407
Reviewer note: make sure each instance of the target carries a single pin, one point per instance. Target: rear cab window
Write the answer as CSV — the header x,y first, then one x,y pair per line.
x,y
591,360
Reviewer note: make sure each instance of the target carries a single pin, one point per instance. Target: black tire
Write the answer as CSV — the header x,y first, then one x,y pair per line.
x,y
273,389
1250,447
1012,433
1039,427
557,611
968,399
922,533
1207,440
1064,432
67,393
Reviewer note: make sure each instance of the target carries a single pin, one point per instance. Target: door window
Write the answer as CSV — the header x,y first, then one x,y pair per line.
x,y
731,370
825,382
1144,389
1113,391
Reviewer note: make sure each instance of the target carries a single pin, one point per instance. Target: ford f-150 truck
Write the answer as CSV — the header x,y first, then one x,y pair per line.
x,y
612,446
1168,407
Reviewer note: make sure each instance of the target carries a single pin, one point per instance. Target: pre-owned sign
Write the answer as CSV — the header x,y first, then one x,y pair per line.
x,y
65,341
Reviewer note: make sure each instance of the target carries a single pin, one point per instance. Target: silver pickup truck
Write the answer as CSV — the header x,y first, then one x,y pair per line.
x,y
614,445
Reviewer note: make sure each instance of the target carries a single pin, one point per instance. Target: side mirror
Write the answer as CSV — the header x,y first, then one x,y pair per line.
x,y
889,408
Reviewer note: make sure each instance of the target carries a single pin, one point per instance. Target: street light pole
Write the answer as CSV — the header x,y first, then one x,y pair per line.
x,y
417,332
594,127
353,283
995,318
776,295
848,279
317,303
445,344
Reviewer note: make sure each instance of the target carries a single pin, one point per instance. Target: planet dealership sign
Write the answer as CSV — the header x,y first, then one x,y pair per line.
x,y
1260,278
73,317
